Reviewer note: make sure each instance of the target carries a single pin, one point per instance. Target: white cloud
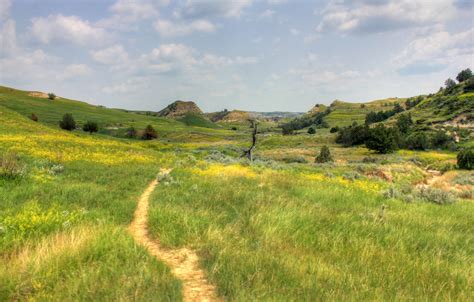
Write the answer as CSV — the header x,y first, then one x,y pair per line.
x,y
127,12
110,56
436,51
369,16
294,31
128,86
66,28
170,29
275,2
73,71
5,10
8,45
199,9
266,14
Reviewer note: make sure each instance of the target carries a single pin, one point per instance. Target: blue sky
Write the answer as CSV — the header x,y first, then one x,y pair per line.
x,y
261,55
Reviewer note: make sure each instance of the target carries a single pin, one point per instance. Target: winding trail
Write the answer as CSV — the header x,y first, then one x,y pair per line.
x,y
184,263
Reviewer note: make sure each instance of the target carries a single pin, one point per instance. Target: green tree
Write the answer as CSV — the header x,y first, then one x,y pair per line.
x,y
404,122
149,133
450,84
464,75
324,155
311,130
51,96
397,108
68,122
90,127
417,141
465,159
382,139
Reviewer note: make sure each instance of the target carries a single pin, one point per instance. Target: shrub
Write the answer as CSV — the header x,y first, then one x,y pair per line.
x,y
324,155
90,127
131,133
352,135
149,133
311,130
68,122
233,128
334,129
33,117
435,195
294,159
465,159
51,96
440,139
11,167
382,139
404,122
417,141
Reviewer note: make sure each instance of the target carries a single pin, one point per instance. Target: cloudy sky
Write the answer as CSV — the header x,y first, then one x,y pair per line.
x,y
259,55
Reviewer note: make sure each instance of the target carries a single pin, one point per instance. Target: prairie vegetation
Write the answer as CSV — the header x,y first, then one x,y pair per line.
x,y
307,219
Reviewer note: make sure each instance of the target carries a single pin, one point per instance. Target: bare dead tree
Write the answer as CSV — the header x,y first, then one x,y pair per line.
x,y
248,153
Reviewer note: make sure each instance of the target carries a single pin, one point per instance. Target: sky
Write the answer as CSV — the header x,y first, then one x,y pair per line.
x,y
259,55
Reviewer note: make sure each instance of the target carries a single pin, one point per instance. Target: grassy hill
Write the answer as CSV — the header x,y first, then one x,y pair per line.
x,y
111,121
344,113
364,227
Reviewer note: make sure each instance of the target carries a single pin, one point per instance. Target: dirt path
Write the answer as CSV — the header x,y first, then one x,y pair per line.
x,y
183,262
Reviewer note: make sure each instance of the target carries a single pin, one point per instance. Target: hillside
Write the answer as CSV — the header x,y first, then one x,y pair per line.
x,y
113,122
345,113
179,109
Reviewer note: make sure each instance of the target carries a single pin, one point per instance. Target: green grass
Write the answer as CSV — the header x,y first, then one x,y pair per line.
x,y
272,231
191,119
278,236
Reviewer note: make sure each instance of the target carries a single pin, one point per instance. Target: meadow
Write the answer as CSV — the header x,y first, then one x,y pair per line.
x,y
280,229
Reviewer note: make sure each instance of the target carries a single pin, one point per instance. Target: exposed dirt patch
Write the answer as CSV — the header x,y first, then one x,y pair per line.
x,y
42,95
183,262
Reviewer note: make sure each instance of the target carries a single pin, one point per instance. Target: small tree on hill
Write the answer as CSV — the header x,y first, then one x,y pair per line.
x,y
149,133
450,84
33,117
417,141
465,159
382,139
324,155
464,75
51,96
404,122
311,130
398,108
90,127
68,122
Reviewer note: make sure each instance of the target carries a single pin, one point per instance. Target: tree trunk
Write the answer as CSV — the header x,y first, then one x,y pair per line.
x,y
249,153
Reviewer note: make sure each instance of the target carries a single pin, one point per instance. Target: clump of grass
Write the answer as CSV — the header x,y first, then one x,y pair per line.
x,y
351,175
11,167
294,159
464,179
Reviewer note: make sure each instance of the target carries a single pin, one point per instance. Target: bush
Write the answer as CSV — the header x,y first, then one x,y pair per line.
x,y
440,139
417,141
465,159
33,117
51,96
435,195
382,139
294,159
68,122
90,127
131,133
334,129
11,167
404,122
352,135
324,155
149,133
311,130
233,128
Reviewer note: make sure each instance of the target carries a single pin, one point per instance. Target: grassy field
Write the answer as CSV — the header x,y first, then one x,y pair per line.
x,y
281,229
